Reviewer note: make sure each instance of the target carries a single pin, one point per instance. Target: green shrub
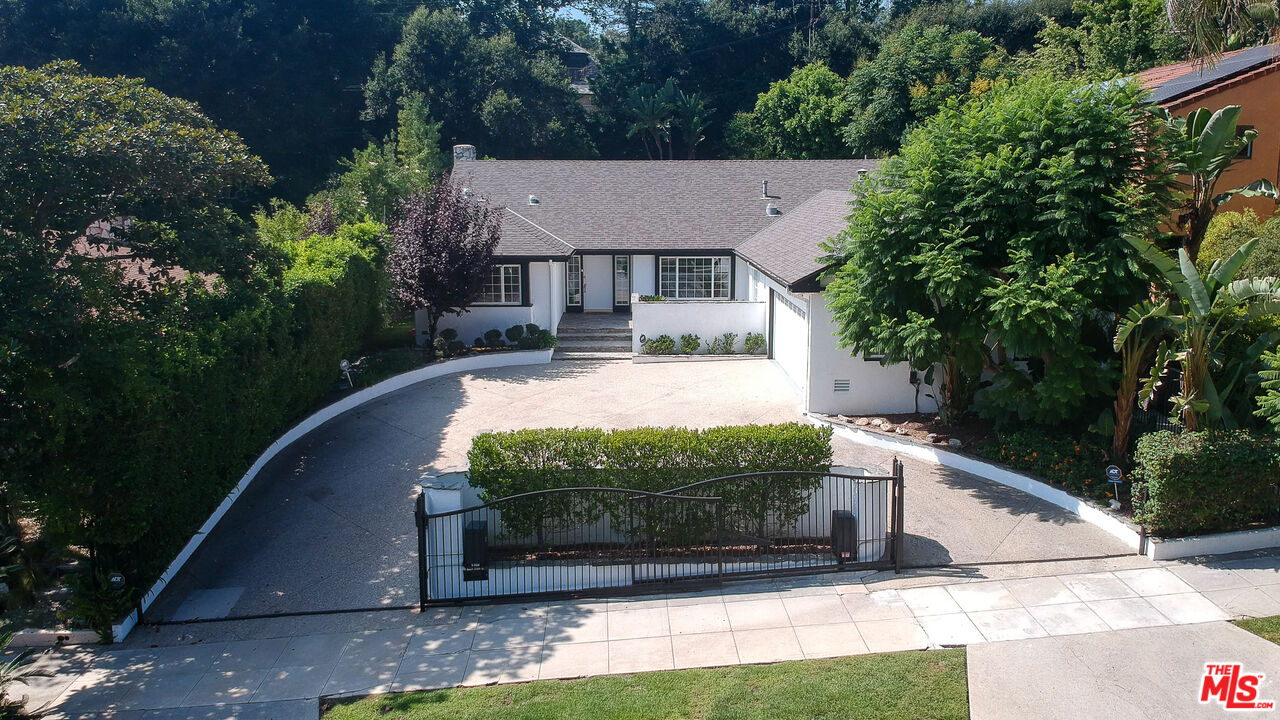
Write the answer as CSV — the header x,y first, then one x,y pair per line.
x,y
754,344
1269,400
1205,482
478,343
515,334
449,334
493,338
650,459
1229,230
661,345
1076,465
722,345
652,298
689,343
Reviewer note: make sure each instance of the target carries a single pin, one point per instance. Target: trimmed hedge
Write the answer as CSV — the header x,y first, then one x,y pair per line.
x,y
650,459
1205,482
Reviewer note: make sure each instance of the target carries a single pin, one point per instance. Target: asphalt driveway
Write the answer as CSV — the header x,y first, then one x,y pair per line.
x,y
328,525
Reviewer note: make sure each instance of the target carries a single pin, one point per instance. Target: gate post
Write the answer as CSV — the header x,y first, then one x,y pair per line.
x,y
420,518
720,542
899,531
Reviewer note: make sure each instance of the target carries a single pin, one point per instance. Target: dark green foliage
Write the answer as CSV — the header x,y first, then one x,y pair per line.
x,y
689,343
912,77
993,237
277,72
1206,482
1074,464
1269,400
722,345
515,334
661,345
493,338
449,334
203,380
650,459
754,343
803,116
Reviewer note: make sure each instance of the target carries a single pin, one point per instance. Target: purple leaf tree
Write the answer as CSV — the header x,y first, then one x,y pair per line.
x,y
442,245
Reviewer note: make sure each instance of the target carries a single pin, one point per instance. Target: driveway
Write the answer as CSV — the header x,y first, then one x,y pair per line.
x,y
328,525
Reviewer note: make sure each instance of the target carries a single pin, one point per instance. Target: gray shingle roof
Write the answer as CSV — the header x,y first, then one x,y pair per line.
x,y
521,238
788,249
654,205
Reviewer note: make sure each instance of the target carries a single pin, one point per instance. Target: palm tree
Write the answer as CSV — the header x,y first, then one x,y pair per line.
x,y
1212,145
1212,27
692,115
1206,311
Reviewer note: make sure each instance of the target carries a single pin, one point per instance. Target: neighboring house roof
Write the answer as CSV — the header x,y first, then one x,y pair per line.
x,y
654,206
522,238
1174,85
788,250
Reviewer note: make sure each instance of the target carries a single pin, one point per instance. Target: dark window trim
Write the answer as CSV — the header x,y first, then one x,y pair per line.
x,y
524,288
733,272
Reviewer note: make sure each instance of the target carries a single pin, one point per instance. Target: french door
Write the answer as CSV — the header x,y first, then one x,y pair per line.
x,y
621,283
573,284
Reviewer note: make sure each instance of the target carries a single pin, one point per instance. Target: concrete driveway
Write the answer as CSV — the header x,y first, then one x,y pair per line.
x,y
328,525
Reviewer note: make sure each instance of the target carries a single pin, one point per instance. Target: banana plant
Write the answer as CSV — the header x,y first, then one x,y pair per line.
x,y
1200,319
1143,325
1211,146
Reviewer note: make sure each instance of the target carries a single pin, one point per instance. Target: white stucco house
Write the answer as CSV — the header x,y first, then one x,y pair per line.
x,y
731,246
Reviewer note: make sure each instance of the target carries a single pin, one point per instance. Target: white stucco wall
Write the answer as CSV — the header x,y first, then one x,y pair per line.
x,y
790,341
705,318
643,281
757,289
546,298
873,388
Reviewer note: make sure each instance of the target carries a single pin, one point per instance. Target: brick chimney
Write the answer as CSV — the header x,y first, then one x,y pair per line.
x,y
463,153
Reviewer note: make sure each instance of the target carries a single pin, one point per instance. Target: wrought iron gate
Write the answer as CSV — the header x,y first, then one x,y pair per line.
x,y
591,540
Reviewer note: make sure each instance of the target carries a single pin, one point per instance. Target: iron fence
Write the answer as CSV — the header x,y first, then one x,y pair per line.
x,y
591,540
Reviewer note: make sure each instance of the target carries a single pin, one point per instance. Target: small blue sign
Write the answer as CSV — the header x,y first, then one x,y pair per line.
x,y
1115,474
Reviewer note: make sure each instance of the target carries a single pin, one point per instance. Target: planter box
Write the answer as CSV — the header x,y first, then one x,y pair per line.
x,y
641,359
34,638
1218,544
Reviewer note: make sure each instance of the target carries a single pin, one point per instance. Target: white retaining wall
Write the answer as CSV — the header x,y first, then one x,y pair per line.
x,y
546,306
707,319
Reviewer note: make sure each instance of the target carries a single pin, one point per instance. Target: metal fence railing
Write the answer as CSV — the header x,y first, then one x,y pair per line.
x,y
612,541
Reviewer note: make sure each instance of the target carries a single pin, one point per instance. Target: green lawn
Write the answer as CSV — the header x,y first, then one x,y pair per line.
x,y
899,685
1267,627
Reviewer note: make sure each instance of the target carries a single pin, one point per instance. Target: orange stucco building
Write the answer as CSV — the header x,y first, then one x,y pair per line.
x,y
1249,78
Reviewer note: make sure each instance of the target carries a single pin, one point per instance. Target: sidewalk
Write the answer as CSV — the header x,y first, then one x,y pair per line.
x,y
278,667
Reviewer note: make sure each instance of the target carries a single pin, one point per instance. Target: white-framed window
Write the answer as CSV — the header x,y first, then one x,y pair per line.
x,y
502,287
694,278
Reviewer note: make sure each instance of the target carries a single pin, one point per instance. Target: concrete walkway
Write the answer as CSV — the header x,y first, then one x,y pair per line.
x,y
277,667
1152,673
329,525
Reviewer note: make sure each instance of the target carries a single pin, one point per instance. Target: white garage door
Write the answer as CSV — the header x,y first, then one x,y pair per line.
x,y
790,341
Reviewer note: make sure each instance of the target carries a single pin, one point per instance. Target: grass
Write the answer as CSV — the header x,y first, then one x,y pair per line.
x,y
1267,627
900,685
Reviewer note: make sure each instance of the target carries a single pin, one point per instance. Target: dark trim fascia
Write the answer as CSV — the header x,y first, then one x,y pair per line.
x,y
512,259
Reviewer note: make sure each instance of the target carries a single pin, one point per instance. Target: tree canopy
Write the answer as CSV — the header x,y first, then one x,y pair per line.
x,y
989,241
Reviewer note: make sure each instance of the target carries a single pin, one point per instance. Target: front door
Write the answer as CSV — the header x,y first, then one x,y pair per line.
x,y
597,281
573,284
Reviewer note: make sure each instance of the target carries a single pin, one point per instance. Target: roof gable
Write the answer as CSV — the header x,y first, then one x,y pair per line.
x,y
788,250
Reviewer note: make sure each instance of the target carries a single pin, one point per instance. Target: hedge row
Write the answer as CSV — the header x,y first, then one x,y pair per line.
x,y
165,411
1206,482
650,459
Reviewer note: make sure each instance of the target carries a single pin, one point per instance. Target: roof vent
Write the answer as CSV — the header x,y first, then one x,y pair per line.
x,y
862,174
772,209
533,199
466,192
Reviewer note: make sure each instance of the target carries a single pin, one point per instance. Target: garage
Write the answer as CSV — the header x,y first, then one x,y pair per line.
x,y
789,335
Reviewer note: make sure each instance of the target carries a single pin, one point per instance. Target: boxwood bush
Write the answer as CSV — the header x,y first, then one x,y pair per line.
x,y
652,459
1206,482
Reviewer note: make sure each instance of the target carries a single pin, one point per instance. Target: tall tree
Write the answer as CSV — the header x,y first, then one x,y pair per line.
x,y
989,241
803,116
1114,37
442,244
76,150
913,75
